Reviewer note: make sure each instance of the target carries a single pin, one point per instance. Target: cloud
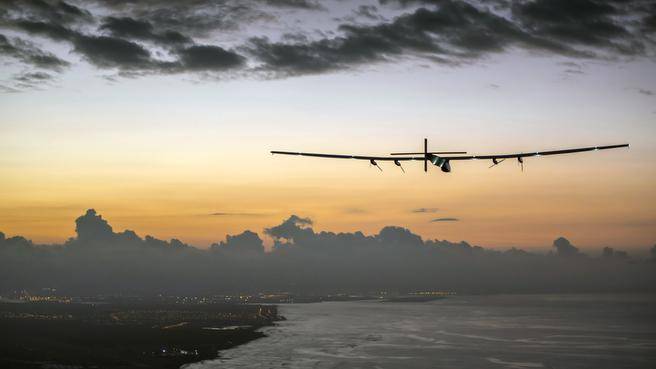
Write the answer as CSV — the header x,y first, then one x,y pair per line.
x,y
92,227
252,37
584,22
355,211
302,4
130,28
398,237
565,248
210,58
198,18
245,243
368,11
425,210
571,64
609,252
55,11
51,30
9,89
117,51
28,53
453,33
437,220
231,214
72,10
101,260
649,22
572,68
290,228
31,80
34,76
110,52
102,51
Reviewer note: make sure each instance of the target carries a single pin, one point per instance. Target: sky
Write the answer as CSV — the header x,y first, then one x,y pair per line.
x,y
161,115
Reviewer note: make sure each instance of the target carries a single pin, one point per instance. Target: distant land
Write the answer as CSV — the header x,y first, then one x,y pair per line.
x,y
123,333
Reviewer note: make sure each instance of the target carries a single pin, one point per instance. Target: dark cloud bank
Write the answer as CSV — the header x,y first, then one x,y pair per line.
x,y
100,260
136,38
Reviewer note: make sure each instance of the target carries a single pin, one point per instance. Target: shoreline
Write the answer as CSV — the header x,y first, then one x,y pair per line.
x,y
219,353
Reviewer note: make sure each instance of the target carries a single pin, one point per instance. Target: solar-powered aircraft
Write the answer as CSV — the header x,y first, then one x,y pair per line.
x,y
443,159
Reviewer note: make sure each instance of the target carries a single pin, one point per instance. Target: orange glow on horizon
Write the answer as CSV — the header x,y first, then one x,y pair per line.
x,y
500,207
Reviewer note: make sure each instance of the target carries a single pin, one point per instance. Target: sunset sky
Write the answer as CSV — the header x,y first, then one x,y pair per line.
x,y
161,117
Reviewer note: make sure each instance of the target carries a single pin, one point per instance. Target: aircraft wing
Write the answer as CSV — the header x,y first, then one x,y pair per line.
x,y
358,157
444,161
536,153
462,157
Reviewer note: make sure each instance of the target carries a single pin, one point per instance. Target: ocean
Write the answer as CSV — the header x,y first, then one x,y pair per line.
x,y
497,331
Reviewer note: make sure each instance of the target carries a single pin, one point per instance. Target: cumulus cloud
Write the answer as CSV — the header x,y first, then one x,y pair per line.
x,y
245,243
565,248
92,227
290,228
101,260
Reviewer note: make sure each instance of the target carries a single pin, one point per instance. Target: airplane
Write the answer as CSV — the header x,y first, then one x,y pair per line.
x,y
444,162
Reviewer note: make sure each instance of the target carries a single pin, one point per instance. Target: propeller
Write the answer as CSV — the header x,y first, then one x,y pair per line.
x,y
496,162
373,162
398,164
520,160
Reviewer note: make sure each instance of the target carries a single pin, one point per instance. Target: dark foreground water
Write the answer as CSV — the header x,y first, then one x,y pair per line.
x,y
537,331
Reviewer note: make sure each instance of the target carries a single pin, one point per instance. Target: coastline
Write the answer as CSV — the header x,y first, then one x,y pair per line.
x,y
77,336
473,331
218,356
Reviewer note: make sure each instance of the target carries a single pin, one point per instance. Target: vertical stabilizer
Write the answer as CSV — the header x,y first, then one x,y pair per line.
x,y
425,155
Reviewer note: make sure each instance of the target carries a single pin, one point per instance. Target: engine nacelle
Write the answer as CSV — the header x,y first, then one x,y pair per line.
x,y
446,167
443,163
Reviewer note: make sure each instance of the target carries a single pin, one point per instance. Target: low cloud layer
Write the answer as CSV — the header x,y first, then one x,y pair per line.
x,y
230,38
437,220
425,210
102,260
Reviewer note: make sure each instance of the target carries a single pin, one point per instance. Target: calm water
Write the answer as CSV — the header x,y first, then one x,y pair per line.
x,y
539,331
